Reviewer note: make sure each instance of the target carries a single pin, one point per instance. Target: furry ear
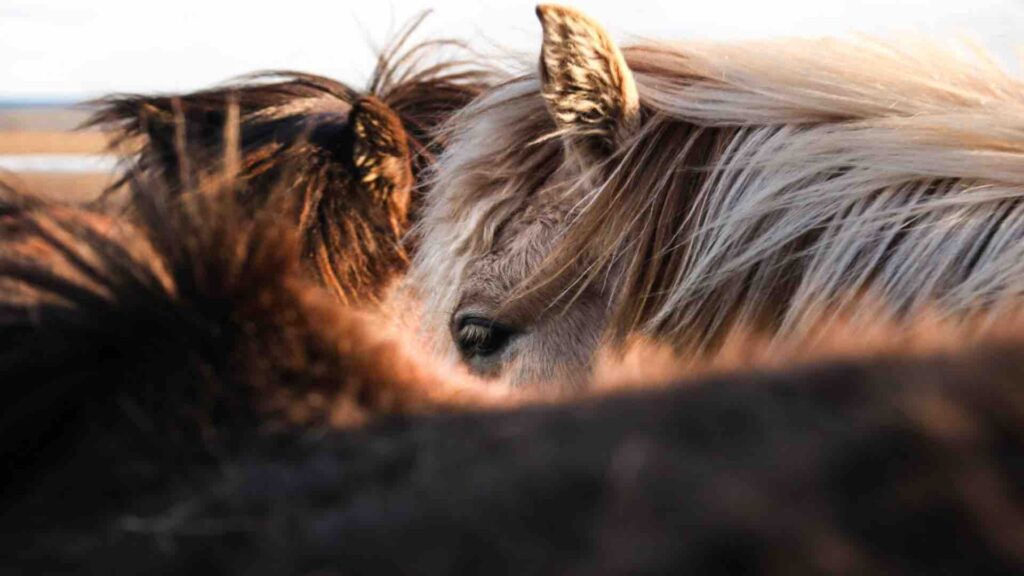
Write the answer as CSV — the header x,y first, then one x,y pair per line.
x,y
585,81
380,153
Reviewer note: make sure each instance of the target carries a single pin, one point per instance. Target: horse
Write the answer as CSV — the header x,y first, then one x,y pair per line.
x,y
179,394
138,348
172,401
353,156
685,191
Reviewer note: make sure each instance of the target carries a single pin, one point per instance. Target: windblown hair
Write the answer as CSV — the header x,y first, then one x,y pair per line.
x,y
135,349
352,156
771,184
169,380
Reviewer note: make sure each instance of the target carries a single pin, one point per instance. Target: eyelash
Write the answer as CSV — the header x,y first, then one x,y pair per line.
x,y
481,337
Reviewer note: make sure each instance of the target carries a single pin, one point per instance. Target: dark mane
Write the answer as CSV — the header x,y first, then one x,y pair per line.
x,y
134,350
898,465
425,89
894,465
295,128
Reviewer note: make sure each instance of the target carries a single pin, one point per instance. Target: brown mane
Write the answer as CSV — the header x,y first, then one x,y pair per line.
x,y
298,128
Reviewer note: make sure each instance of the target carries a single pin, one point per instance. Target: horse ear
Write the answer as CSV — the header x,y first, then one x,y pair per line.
x,y
380,152
585,81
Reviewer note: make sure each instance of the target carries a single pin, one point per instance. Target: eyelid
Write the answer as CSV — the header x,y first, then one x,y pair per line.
x,y
471,319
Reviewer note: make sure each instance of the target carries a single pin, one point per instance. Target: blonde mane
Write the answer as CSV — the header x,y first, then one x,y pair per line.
x,y
772,184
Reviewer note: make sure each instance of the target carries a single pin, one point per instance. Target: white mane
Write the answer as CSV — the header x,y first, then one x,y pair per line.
x,y
817,173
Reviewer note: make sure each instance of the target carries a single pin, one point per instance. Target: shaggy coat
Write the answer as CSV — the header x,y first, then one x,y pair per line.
x,y
901,466
135,350
683,191
180,398
352,156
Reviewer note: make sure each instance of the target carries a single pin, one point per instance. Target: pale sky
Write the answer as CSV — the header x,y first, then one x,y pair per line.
x,y
84,48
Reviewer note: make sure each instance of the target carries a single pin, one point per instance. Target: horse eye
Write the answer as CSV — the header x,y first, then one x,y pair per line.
x,y
479,337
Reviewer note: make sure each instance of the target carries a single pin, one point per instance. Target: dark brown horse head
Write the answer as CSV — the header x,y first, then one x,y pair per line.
x,y
351,157
351,180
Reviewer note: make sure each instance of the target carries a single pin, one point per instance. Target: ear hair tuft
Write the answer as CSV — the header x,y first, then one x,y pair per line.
x,y
380,152
586,83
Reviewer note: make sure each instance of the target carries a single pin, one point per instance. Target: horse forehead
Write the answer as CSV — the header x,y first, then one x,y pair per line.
x,y
520,246
532,231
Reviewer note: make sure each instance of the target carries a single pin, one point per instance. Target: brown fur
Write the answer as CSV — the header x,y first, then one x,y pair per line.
x,y
170,385
896,464
352,156
170,381
170,339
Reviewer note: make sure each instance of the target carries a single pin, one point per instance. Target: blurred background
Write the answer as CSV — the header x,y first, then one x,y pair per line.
x,y
57,53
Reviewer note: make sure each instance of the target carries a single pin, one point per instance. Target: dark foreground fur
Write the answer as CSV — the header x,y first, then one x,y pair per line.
x,y
900,466
134,351
170,385
352,156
